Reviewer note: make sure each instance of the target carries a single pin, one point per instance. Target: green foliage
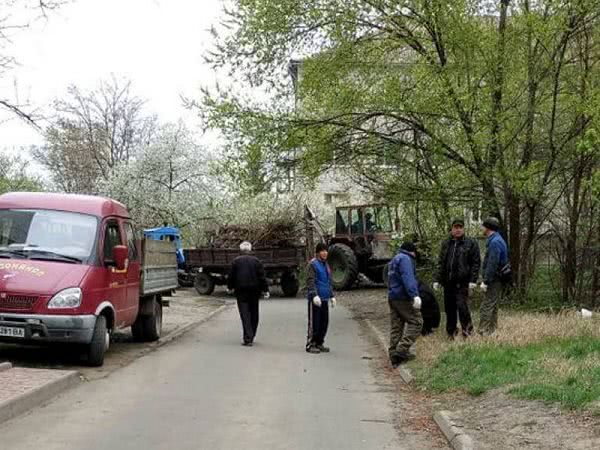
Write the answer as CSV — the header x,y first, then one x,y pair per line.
x,y
441,105
14,175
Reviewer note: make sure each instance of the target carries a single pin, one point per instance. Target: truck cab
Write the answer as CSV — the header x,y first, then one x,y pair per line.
x,y
72,271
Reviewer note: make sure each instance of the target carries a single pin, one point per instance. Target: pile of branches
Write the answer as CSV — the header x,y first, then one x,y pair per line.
x,y
276,233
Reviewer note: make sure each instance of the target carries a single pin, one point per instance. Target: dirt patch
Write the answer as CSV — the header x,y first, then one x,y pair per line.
x,y
494,420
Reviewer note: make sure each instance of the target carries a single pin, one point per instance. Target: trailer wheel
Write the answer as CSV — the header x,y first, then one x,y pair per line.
x,y
100,343
290,284
149,328
344,266
204,283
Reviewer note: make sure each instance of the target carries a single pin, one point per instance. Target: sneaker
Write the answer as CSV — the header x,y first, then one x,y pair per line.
x,y
313,349
247,344
323,349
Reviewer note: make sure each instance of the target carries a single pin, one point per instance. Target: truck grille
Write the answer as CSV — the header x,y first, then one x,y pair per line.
x,y
16,302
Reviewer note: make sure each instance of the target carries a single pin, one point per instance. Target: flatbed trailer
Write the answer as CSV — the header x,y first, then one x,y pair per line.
x,y
211,266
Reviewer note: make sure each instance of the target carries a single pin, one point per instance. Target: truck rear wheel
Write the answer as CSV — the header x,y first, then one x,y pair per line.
x,y
344,266
204,284
100,343
290,284
149,328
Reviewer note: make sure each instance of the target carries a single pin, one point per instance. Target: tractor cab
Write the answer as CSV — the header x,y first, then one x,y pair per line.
x,y
362,243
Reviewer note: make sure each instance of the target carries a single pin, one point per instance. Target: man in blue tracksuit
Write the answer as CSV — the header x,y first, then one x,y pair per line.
x,y
496,258
405,304
320,295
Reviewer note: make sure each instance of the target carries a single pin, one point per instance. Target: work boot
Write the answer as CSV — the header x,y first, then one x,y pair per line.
x,y
401,358
313,349
323,349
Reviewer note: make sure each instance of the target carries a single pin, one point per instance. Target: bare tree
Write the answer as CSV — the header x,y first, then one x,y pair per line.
x,y
15,16
95,131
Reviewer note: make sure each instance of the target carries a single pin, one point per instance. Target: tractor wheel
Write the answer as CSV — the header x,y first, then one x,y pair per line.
x,y
344,266
204,283
290,284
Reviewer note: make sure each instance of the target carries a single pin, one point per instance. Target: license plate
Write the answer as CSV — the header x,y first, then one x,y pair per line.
x,y
12,332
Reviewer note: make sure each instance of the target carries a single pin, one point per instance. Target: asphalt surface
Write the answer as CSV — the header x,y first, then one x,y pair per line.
x,y
206,391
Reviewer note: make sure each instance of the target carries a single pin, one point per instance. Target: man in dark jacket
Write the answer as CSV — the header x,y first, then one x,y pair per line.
x,y
320,294
247,278
457,271
430,310
405,304
496,258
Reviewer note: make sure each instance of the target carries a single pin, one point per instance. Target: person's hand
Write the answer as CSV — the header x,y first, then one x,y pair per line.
x,y
267,295
417,303
317,300
333,302
472,286
229,291
436,286
483,287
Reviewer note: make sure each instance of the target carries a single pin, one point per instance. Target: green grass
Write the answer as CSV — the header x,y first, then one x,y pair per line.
x,y
564,371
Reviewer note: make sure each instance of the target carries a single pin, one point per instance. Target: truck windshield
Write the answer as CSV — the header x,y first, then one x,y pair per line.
x,y
44,234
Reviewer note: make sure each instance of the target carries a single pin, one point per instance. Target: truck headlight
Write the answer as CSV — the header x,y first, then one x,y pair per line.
x,y
68,298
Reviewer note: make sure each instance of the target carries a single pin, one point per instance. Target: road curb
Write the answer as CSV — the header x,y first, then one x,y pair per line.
x,y
5,366
29,400
405,373
184,329
457,438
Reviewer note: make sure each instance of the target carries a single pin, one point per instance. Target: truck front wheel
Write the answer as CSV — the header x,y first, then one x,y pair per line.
x,y
148,328
100,343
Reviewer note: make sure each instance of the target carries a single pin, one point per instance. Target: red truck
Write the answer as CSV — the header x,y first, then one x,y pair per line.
x,y
73,271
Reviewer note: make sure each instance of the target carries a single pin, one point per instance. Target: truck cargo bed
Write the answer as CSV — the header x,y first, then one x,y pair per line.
x,y
221,258
159,267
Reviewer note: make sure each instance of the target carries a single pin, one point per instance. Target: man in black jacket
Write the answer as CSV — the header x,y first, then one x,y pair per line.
x,y
457,271
247,278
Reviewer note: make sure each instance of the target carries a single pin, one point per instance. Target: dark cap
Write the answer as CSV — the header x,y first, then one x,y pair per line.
x,y
320,247
409,247
458,221
491,223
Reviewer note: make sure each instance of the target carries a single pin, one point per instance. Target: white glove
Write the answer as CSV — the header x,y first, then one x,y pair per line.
x,y
417,303
472,286
436,286
267,295
229,291
333,302
317,300
483,287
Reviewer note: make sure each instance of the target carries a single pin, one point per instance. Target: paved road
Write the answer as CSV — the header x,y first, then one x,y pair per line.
x,y
206,391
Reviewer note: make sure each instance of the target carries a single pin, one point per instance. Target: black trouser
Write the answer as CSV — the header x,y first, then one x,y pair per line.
x,y
456,300
247,302
318,321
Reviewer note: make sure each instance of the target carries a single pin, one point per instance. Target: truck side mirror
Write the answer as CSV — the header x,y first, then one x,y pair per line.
x,y
121,256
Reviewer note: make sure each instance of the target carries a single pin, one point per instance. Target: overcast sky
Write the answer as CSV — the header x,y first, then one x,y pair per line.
x,y
158,44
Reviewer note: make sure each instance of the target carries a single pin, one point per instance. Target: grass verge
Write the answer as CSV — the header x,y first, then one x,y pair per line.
x,y
555,358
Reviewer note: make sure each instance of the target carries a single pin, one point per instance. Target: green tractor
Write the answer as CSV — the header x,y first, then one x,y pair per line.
x,y
362,243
